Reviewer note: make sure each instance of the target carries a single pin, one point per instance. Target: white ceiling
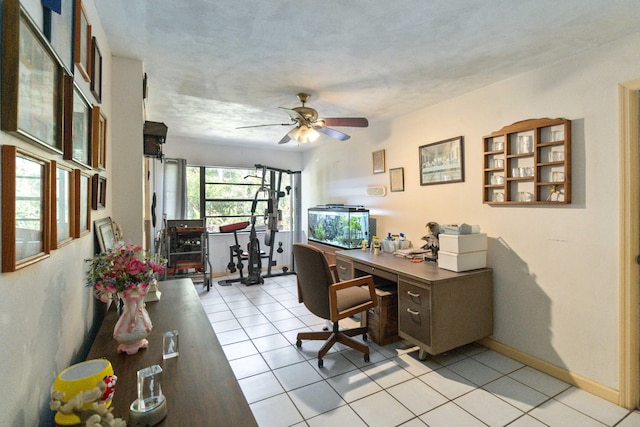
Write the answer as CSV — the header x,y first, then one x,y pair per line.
x,y
214,65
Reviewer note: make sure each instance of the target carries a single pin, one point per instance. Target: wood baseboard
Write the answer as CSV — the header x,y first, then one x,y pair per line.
x,y
562,374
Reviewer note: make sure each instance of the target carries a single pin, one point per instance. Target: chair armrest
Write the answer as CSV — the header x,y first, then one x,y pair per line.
x,y
359,281
334,272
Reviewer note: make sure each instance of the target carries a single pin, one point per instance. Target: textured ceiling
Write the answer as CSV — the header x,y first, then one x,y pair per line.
x,y
217,65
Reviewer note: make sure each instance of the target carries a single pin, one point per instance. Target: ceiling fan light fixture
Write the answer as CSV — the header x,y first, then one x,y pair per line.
x,y
304,134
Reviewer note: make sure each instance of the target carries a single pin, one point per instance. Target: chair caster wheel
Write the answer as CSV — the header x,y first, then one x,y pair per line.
x,y
299,344
366,358
320,363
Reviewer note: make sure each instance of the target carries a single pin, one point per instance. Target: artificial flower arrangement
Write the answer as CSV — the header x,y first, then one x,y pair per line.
x,y
124,271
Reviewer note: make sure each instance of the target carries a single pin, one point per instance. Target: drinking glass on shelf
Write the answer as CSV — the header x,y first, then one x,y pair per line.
x,y
557,135
557,156
557,176
498,197
515,172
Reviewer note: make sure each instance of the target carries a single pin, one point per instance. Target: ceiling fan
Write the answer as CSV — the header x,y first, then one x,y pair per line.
x,y
308,124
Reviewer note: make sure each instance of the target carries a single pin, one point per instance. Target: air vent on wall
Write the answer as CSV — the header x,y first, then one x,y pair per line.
x,y
377,190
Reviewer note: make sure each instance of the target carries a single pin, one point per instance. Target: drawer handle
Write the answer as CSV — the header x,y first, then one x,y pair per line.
x,y
411,294
343,268
415,313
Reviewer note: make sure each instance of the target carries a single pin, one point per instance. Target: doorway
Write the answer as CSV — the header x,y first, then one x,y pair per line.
x,y
629,328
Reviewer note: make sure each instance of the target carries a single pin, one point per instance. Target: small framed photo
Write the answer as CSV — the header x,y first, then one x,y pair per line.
x,y
396,177
62,202
82,206
442,162
378,161
98,192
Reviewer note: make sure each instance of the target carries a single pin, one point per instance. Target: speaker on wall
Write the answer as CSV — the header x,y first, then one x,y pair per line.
x,y
155,134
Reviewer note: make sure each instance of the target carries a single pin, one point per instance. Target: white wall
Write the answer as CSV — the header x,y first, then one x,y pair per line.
x,y
555,267
46,312
127,159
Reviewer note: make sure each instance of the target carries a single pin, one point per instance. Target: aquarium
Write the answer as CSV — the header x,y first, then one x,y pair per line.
x,y
339,225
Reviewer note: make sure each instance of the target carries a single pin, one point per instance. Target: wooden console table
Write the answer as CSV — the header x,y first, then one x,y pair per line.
x,y
438,309
199,385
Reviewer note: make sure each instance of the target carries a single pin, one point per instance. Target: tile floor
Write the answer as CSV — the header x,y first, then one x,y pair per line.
x,y
470,386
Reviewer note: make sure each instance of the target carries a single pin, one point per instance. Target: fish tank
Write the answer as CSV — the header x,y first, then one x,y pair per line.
x,y
341,226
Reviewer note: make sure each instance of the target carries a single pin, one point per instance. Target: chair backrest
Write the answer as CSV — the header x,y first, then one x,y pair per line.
x,y
314,279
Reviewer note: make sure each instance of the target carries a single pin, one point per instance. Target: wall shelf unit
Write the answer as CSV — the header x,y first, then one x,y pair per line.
x,y
528,162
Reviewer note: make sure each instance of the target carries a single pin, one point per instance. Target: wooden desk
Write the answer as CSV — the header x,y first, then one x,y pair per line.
x,y
437,309
199,384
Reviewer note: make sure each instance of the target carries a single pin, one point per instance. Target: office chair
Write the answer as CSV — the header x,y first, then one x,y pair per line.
x,y
330,299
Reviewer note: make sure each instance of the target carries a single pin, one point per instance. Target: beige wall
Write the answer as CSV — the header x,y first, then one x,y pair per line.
x,y
46,312
556,268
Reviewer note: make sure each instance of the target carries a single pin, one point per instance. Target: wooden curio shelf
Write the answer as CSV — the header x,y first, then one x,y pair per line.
x,y
528,162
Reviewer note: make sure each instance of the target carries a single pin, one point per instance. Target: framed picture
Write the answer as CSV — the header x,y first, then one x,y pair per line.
x,y
442,162
78,136
58,28
96,70
396,177
98,139
82,206
98,192
25,208
62,197
32,81
105,234
82,41
378,161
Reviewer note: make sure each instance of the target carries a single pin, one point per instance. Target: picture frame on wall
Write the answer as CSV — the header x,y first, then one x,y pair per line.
x,y
96,70
442,162
396,179
62,200
32,81
98,192
82,41
98,138
378,161
78,138
58,28
26,202
82,218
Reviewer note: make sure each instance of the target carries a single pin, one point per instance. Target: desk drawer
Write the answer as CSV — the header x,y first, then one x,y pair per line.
x,y
374,271
414,311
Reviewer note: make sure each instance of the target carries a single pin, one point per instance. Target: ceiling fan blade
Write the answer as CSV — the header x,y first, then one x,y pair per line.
x,y
295,116
284,139
357,122
259,126
333,133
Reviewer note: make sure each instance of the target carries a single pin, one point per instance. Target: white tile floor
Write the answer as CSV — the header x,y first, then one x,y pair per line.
x,y
469,386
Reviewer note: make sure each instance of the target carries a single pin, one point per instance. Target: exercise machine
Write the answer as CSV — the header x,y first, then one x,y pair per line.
x,y
271,190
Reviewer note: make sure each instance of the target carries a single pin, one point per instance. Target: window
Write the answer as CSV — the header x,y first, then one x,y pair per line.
x,y
227,195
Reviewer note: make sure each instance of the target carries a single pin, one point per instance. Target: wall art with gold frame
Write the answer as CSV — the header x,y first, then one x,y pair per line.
x,y
63,202
98,139
378,161
32,81
82,41
26,222
82,225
